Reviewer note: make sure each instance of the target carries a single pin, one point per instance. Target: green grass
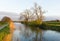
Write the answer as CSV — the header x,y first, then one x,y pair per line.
x,y
4,31
2,23
55,23
53,26
45,25
32,24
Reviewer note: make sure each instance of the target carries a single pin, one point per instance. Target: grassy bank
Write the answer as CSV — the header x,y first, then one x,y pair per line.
x,y
53,26
2,23
31,23
45,25
4,31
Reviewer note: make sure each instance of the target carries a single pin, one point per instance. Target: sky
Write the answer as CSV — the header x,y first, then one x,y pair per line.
x,y
51,7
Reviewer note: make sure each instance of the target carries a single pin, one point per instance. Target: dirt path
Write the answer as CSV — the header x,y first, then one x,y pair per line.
x,y
9,36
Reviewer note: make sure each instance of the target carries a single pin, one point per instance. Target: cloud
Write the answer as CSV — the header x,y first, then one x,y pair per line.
x,y
13,16
8,13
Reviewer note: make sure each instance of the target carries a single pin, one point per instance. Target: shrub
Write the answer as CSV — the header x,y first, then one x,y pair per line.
x,y
4,32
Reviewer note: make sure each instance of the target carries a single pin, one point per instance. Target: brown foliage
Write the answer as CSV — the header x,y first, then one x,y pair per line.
x,y
6,19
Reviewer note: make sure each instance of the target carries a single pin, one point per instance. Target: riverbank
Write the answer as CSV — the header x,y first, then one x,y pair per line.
x,y
45,25
4,31
53,26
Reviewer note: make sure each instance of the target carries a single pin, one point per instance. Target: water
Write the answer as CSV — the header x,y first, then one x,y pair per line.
x,y
24,33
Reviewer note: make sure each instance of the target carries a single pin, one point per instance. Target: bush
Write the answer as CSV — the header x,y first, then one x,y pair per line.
x,y
4,32
43,26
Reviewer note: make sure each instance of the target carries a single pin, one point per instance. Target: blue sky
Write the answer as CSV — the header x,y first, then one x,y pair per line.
x,y
52,7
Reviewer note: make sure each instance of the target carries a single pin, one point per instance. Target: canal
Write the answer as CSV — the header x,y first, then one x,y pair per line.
x,y
25,33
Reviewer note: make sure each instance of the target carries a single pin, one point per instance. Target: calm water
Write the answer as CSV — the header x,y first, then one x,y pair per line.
x,y
24,33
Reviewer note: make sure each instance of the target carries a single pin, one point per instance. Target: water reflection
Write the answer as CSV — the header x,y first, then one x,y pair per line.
x,y
24,33
51,36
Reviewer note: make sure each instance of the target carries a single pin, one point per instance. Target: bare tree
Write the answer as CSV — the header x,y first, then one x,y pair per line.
x,y
32,13
27,15
39,13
